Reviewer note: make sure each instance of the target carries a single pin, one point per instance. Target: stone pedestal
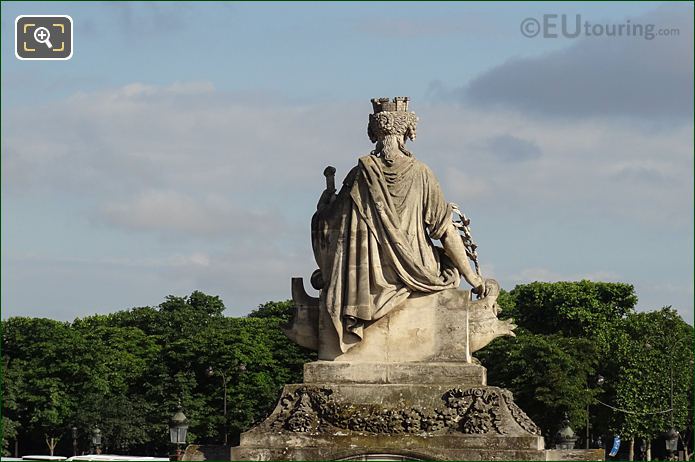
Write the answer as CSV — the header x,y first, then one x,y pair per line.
x,y
397,411
410,390
432,411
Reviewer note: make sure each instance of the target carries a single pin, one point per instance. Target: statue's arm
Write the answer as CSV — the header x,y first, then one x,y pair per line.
x,y
454,248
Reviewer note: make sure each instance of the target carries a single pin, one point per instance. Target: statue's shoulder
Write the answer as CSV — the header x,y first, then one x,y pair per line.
x,y
369,159
368,162
424,168
361,163
420,168
419,164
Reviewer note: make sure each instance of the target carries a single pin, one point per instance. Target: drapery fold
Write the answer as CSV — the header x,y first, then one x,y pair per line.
x,y
373,243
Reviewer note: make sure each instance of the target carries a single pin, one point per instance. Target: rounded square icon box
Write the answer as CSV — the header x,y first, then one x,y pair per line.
x,y
43,37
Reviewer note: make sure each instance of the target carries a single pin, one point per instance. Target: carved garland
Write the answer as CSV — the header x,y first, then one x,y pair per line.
x,y
520,416
470,411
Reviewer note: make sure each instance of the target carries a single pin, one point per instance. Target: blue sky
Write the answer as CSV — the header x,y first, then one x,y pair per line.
x,y
182,146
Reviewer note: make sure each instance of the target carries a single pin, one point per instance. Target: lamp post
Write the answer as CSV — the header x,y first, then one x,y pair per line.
x,y
671,437
672,434
599,381
178,430
96,440
240,367
73,430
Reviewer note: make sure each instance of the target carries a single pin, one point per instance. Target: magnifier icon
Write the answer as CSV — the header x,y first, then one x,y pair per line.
x,y
42,35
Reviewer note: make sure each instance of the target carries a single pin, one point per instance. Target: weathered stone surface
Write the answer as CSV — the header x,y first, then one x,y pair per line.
x,y
373,244
304,327
325,409
442,326
426,451
575,454
432,421
390,395
206,452
338,372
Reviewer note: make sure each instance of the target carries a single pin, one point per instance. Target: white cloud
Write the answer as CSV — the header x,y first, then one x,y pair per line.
x,y
626,76
175,212
591,168
185,136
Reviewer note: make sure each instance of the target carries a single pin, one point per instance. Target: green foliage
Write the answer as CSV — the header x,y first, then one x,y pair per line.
x,y
125,373
571,332
546,373
9,432
45,360
281,310
652,352
574,309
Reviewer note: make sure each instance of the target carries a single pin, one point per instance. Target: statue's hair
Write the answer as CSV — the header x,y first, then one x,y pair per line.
x,y
399,123
388,140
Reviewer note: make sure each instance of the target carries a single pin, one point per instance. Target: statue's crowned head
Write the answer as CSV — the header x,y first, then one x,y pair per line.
x,y
390,125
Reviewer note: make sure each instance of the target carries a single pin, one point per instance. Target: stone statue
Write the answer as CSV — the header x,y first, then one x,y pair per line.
x,y
372,241
395,379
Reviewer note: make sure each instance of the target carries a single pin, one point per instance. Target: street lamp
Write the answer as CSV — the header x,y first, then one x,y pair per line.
x,y
178,429
96,440
74,440
241,368
565,437
671,442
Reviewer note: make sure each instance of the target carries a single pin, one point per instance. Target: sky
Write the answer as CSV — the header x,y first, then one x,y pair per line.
x,y
182,147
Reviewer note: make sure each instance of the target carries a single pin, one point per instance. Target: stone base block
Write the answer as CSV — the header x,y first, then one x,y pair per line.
x,y
436,421
417,453
342,372
197,452
575,454
384,421
440,326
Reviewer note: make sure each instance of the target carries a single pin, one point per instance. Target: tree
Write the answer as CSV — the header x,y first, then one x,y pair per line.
x,y
45,361
574,309
9,433
565,331
651,359
121,360
546,373
279,310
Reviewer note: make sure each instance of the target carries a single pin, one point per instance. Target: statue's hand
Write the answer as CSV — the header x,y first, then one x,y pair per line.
x,y
480,289
328,195
326,199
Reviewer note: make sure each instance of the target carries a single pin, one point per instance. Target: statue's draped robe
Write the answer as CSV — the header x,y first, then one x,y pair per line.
x,y
373,243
